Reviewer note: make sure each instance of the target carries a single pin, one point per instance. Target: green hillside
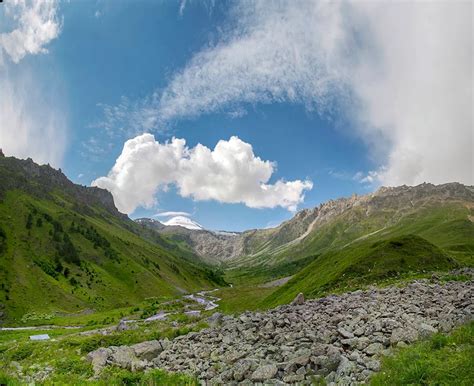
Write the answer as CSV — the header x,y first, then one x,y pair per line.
x,y
365,262
63,250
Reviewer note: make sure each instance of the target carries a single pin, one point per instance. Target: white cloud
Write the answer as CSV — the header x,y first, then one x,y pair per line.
x,y
277,52
36,25
229,173
31,124
420,94
32,120
182,6
172,214
402,71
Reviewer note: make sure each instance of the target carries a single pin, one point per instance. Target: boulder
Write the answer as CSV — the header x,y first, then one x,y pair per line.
x,y
215,319
147,350
299,300
374,349
264,373
98,359
122,356
344,333
406,334
345,367
426,330
241,369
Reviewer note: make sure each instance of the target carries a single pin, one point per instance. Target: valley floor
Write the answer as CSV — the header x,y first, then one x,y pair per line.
x,y
338,338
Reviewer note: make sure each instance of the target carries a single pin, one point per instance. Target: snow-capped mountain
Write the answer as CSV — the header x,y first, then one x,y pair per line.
x,y
184,222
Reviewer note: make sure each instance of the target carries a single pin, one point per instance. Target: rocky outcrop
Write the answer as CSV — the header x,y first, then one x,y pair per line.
x,y
134,357
42,180
339,338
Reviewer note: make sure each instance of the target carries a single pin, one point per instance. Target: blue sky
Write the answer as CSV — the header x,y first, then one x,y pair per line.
x,y
331,105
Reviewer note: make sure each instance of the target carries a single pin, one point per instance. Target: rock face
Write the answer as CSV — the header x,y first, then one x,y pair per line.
x,y
339,338
41,180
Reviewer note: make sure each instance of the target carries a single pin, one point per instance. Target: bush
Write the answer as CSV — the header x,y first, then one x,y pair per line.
x,y
74,366
21,353
29,221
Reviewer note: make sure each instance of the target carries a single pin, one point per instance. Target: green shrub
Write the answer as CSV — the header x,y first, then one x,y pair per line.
x,y
22,352
74,366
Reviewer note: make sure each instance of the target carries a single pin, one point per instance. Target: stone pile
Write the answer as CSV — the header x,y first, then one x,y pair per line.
x,y
339,338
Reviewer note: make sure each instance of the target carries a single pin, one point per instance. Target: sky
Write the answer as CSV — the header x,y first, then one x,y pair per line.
x,y
237,114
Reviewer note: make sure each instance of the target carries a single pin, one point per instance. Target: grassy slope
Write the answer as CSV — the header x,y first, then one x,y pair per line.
x,y
66,354
114,267
445,224
324,256
365,262
440,360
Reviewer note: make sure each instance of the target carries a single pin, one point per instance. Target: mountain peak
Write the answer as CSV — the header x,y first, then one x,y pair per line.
x,y
184,222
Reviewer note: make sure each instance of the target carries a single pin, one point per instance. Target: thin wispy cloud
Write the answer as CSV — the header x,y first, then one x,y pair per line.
x,y
172,214
401,72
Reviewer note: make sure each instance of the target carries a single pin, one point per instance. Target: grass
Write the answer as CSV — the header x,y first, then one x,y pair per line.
x,y
111,376
65,355
240,299
367,262
440,360
258,274
73,263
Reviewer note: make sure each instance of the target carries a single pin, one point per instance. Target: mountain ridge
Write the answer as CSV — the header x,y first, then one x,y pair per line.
x,y
256,242
66,248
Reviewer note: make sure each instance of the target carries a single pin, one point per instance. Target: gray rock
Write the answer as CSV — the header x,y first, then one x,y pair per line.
x,y
147,350
263,373
98,359
299,300
215,319
241,369
374,348
345,367
406,334
122,356
373,365
346,334
426,330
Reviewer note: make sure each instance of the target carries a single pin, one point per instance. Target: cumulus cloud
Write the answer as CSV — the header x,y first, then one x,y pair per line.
x,y
32,121
36,24
172,214
400,71
230,173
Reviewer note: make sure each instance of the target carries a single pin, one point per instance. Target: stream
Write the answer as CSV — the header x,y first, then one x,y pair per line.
x,y
202,298
208,302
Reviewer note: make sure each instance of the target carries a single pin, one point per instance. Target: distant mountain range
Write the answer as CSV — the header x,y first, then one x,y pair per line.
x,y
334,223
